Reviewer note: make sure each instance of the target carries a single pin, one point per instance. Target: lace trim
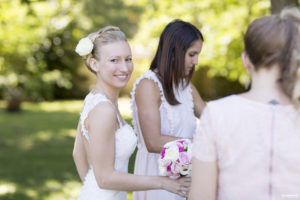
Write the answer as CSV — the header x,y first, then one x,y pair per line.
x,y
90,102
152,76
190,98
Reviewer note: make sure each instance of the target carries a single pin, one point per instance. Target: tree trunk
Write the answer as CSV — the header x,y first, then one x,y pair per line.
x,y
278,5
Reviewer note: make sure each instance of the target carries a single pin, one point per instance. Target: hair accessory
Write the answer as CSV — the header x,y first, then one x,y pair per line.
x,y
84,46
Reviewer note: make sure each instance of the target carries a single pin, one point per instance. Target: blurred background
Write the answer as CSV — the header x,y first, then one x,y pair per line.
x,y
43,81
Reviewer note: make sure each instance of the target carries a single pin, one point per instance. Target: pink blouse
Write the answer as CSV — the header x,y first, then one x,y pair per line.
x,y
256,147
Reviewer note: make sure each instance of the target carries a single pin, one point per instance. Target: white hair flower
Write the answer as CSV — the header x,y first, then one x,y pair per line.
x,y
84,46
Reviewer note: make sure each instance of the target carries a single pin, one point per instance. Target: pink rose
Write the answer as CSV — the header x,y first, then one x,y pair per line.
x,y
169,168
163,151
184,158
176,168
180,147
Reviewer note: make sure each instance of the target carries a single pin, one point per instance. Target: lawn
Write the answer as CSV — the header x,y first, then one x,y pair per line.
x,y
36,151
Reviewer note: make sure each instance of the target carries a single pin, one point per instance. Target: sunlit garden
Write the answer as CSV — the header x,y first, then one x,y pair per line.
x,y
43,81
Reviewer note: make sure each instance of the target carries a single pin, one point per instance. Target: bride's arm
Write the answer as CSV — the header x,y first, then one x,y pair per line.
x,y
79,155
102,125
148,101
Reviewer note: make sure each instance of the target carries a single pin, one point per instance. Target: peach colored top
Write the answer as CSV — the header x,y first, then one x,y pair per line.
x,y
256,147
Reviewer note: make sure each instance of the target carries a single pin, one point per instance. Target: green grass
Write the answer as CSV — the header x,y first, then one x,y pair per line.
x,y
36,151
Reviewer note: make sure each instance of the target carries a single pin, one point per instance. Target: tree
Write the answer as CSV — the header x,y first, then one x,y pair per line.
x,y
278,5
24,34
37,42
223,24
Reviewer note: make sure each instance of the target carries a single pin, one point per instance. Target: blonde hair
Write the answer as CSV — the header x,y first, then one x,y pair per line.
x,y
104,36
276,39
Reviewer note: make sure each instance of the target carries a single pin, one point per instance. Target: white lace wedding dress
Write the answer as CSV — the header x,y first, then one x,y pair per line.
x,y
125,144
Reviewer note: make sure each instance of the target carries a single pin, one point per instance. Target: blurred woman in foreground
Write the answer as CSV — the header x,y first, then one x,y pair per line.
x,y
247,146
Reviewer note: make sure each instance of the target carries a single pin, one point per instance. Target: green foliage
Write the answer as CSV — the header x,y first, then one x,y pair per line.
x,y
37,39
123,14
221,22
25,30
37,42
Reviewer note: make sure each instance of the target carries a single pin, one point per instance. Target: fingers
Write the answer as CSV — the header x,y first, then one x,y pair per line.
x,y
184,188
186,182
183,192
186,179
179,186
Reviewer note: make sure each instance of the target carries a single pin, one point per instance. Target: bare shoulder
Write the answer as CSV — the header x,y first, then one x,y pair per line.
x,y
148,84
148,88
103,114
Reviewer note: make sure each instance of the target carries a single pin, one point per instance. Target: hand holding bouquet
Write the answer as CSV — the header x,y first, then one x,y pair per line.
x,y
175,159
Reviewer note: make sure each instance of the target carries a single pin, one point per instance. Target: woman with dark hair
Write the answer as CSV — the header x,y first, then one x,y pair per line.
x,y
164,102
247,146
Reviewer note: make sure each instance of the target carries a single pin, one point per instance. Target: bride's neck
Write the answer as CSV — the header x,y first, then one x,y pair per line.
x,y
110,92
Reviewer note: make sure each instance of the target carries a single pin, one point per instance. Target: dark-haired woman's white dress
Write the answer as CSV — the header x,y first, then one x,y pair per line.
x,y
178,121
125,144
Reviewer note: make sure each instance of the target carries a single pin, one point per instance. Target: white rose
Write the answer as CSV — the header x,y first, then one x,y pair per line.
x,y
172,153
84,46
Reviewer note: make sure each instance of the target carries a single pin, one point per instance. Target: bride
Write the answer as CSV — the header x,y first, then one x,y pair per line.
x,y
104,141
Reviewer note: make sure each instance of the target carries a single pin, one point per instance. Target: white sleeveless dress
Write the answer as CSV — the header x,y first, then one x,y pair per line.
x,y
178,121
125,144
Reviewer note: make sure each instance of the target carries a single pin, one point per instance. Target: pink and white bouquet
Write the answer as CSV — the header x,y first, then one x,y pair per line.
x,y
175,159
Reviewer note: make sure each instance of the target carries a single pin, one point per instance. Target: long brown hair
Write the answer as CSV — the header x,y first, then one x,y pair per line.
x,y
169,60
276,39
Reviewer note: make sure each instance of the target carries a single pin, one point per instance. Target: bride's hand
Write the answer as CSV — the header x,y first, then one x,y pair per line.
x,y
179,186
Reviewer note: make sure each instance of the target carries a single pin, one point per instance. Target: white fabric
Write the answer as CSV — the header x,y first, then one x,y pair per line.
x,y
178,121
256,146
125,144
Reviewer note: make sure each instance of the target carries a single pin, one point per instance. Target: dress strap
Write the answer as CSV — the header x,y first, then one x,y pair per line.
x,y
119,120
152,76
90,102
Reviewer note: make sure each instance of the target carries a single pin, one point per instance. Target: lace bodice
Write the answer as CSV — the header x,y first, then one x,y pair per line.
x,y
125,144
